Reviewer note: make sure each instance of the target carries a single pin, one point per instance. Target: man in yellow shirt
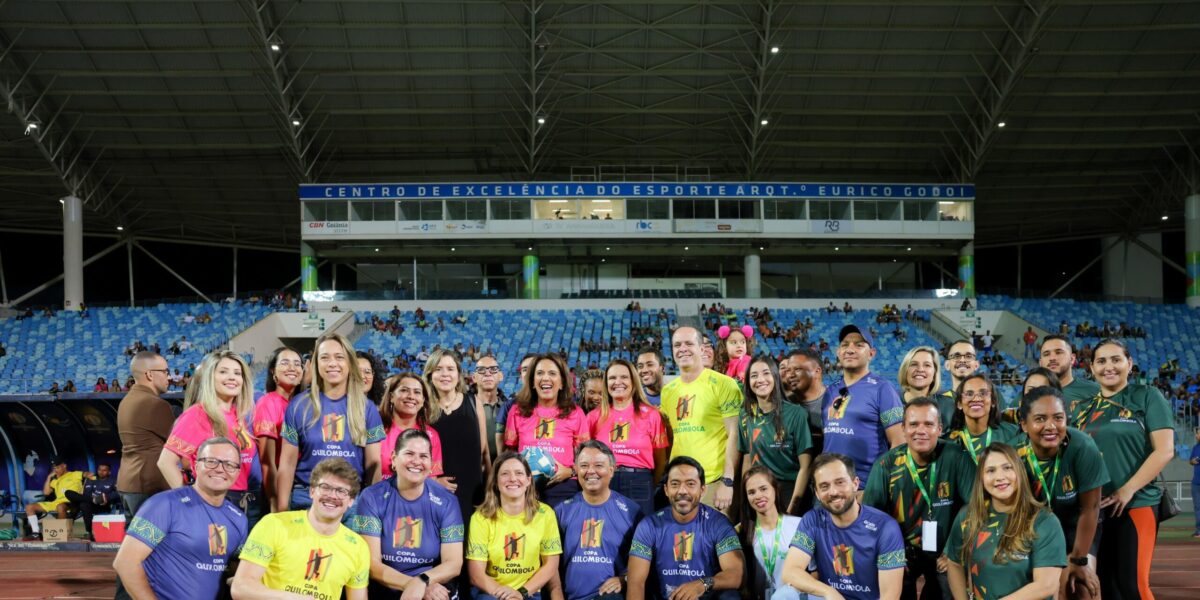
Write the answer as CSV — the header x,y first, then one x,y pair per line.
x,y
701,407
308,553
58,482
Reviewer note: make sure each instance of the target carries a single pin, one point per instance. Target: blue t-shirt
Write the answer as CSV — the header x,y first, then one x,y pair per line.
x,y
415,529
595,541
502,412
849,560
1196,467
683,552
654,399
191,542
329,436
855,425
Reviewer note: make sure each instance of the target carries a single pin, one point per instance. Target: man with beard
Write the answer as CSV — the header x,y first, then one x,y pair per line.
x,y
804,384
596,528
858,550
692,547
922,484
862,410
961,363
650,370
1058,354
308,552
182,540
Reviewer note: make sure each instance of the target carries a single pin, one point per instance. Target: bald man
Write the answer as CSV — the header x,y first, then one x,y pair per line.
x,y
144,421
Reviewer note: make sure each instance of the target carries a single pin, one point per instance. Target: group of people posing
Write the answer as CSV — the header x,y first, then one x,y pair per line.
x,y
780,485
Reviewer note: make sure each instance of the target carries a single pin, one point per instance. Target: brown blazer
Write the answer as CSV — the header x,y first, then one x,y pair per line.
x,y
144,421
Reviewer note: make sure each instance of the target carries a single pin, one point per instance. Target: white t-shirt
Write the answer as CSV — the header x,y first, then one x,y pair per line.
x,y
786,530
988,340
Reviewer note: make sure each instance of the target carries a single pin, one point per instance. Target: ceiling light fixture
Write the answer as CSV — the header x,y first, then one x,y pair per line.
x,y
31,127
296,122
541,120
1164,217
763,122
120,228
774,49
1001,124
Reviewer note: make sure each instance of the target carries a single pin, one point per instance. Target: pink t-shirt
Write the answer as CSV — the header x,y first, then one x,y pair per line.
x,y
633,440
545,429
389,444
192,428
268,419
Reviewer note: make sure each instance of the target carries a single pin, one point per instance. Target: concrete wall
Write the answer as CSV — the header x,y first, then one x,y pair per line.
x,y
260,339
1129,270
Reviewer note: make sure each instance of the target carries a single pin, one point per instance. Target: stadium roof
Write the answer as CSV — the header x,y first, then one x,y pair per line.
x,y
196,120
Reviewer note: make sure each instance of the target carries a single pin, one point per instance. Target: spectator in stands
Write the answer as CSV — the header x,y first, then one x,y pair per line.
x,y
976,423
405,406
988,340
1057,354
961,362
775,433
144,421
53,388
60,482
702,408
1135,454
183,541
128,384
591,389
285,369
1030,339
188,318
220,404
69,388
488,376
650,371
846,308
545,416
99,494
114,385
920,375
373,373
458,416
333,419
634,431
966,304
831,309
175,381
863,412
3,351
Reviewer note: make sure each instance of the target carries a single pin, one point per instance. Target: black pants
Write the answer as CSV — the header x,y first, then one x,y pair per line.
x,y
1126,546
937,586
87,509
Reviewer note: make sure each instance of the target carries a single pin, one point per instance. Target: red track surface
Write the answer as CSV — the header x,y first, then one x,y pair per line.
x,y
89,575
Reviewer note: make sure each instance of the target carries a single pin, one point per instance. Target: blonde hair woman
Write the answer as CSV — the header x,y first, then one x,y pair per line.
x,y
219,402
332,419
920,374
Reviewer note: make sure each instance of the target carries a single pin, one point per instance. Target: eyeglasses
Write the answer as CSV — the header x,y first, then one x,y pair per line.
x,y
961,356
981,394
228,466
325,488
843,395
487,370
158,370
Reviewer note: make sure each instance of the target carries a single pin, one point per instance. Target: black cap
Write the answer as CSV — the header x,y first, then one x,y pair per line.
x,y
57,460
852,328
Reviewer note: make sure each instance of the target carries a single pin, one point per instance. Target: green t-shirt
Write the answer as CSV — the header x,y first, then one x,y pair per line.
x,y
989,579
756,439
1080,469
891,489
1080,389
1121,427
945,402
1003,433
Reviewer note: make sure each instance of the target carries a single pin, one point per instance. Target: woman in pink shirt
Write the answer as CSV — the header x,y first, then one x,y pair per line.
x,y
545,416
285,369
218,403
405,406
634,429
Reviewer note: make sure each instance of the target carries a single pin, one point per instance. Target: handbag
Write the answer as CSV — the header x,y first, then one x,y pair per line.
x,y
1167,506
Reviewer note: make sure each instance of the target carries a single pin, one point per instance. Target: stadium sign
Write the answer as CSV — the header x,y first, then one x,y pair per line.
x,y
394,191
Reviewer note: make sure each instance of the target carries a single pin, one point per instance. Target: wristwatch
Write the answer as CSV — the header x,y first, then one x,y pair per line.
x,y
523,592
708,584
423,577
1080,561
728,481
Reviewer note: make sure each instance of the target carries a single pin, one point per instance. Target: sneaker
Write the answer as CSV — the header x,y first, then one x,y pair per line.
x,y
1196,535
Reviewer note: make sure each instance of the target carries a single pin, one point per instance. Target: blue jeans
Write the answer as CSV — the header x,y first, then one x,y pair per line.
x,y
1196,504
1030,350
637,485
301,499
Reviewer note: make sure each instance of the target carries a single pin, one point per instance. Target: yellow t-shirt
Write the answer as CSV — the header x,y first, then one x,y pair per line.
x,y
506,543
697,413
302,561
71,481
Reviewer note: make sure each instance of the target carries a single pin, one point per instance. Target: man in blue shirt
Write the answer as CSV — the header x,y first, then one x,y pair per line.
x,y
182,541
99,493
858,550
1195,460
693,548
596,526
863,412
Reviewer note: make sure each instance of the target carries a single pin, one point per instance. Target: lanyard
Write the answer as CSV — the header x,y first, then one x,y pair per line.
x,y
968,442
770,556
912,471
1037,470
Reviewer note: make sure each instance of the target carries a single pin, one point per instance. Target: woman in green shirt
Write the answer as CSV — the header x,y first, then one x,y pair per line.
x,y
1133,427
976,422
1004,543
774,433
1066,471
